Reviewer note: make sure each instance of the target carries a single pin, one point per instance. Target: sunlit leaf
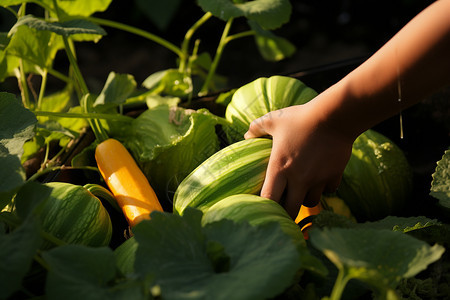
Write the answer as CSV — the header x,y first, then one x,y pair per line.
x,y
34,47
269,14
116,90
67,28
80,7
170,82
271,47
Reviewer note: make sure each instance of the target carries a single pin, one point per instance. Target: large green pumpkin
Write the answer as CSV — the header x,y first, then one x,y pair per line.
x,y
76,216
377,180
261,96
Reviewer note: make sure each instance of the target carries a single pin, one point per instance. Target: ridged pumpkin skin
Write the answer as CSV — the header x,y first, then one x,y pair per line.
x,y
377,180
239,168
253,209
76,216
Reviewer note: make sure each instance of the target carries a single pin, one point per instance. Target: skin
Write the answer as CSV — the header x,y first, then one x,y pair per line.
x,y
317,137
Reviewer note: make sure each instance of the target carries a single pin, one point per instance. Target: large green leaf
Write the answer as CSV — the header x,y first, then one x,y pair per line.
x,y
34,47
168,143
261,96
269,14
16,124
380,258
440,185
222,260
17,250
80,272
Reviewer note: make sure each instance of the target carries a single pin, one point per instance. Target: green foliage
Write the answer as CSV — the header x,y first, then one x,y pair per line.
x,y
380,258
221,260
16,124
169,142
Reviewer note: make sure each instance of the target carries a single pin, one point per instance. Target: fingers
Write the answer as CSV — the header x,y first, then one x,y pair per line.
x,y
259,127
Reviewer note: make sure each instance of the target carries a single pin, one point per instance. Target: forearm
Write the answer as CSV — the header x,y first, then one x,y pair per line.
x,y
413,64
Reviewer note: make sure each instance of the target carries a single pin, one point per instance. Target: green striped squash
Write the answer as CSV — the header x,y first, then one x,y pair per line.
x,y
256,210
239,168
76,216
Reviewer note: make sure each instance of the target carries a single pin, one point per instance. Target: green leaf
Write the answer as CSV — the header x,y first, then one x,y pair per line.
x,y
67,28
401,224
80,272
16,124
170,82
34,47
272,47
16,254
222,260
116,90
380,258
80,7
269,14
12,177
440,185
168,143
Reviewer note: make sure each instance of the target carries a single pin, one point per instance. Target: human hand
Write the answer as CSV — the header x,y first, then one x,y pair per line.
x,y
308,155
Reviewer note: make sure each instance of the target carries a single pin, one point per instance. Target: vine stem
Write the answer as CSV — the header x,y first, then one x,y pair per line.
x,y
187,39
139,32
82,115
222,43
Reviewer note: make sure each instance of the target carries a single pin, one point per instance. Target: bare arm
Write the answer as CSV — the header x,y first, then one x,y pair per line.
x,y
312,142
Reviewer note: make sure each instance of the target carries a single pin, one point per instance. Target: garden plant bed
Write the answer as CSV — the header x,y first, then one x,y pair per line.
x,y
68,235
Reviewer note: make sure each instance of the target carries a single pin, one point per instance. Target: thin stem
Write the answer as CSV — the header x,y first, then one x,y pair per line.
x,y
42,89
187,39
74,65
240,35
21,78
139,32
339,285
82,115
217,57
44,161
